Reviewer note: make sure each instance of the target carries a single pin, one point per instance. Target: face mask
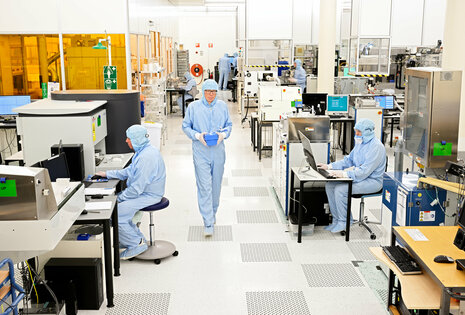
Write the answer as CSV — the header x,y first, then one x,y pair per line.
x,y
358,139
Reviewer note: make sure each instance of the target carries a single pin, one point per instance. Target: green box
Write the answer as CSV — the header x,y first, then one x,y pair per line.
x,y
440,149
8,189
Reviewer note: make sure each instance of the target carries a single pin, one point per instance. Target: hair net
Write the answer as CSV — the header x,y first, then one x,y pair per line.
x,y
298,63
209,85
138,136
367,127
188,76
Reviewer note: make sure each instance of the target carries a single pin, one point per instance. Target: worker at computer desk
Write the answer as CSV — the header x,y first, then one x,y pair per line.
x,y
365,165
145,179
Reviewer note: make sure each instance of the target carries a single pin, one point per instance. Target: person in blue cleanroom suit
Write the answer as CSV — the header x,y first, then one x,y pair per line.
x,y
145,186
300,76
189,85
223,69
365,164
206,116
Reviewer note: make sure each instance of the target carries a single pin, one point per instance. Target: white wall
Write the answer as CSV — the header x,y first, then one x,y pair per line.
x,y
407,20
269,19
45,16
160,13
433,25
302,24
204,28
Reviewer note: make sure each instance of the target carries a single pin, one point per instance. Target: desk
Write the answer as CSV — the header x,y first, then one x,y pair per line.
x,y
253,130
181,91
344,121
315,177
106,218
440,242
16,157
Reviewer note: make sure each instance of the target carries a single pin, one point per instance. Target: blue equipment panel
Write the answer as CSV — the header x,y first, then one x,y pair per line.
x,y
411,206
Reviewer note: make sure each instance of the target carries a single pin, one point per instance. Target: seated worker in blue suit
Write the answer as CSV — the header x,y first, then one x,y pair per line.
x,y
300,76
207,116
188,88
145,181
365,165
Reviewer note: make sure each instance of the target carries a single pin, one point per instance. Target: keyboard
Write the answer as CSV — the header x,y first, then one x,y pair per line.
x,y
399,256
325,173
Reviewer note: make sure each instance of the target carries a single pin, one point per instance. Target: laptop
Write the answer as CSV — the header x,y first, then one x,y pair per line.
x,y
309,156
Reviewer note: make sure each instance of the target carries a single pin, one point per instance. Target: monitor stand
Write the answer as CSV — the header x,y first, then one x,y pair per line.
x,y
304,169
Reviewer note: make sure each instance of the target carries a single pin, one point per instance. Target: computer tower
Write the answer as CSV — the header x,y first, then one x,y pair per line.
x,y
315,209
74,157
86,274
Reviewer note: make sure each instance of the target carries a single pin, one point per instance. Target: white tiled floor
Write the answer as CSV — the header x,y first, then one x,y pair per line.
x,y
210,277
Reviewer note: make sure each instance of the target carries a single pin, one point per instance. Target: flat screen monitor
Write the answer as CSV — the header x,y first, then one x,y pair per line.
x,y
307,150
7,103
338,104
385,101
315,101
461,220
57,167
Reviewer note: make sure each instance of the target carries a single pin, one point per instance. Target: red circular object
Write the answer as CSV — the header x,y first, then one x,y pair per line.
x,y
196,70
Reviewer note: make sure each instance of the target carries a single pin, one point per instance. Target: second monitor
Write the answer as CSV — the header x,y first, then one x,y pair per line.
x,y
338,104
315,101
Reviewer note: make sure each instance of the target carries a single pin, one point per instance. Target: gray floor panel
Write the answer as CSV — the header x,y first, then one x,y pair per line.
x,y
223,233
256,216
140,303
361,251
181,152
265,252
246,172
251,192
358,232
376,213
332,275
276,303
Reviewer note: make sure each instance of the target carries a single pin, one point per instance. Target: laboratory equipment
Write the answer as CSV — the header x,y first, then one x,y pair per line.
x,y
385,101
337,104
365,108
273,101
69,121
74,158
315,102
7,103
26,194
432,112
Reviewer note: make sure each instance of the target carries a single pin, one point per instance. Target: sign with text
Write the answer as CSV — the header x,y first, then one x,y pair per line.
x,y
109,78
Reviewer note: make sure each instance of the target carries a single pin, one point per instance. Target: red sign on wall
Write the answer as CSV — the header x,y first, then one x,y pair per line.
x,y
197,45
210,45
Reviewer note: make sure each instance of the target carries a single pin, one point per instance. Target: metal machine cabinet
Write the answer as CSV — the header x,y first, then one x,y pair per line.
x,y
404,204
432,112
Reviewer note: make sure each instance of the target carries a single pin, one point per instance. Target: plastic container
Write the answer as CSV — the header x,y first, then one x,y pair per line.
x,y
211,139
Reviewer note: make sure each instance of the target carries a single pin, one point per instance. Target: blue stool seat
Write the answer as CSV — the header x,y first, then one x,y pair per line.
x,y
164,203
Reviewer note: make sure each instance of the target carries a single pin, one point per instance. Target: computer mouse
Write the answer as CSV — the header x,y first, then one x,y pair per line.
x,y
95,177
443,259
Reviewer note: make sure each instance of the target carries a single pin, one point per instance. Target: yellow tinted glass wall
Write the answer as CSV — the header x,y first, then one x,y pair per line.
x,y
26,61
84,65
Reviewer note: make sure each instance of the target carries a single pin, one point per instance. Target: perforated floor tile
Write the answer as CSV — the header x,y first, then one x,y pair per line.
x,y
332,275
256,216
251,192
265,252
383,295
277,303
246,172
361,251
181,152
140,303
358,232
223,233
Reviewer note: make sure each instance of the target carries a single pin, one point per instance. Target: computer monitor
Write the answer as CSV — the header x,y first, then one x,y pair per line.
x,y
338,104
315,101
7,103
57,167
385,101
307,150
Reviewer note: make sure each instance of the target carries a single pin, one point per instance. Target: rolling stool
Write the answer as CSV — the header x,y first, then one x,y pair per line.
x,y
157,249
363,219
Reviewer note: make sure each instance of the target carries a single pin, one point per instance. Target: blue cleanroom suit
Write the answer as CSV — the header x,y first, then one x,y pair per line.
x,y
223,69
368,160
145,186
300,75
189,85
208,160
